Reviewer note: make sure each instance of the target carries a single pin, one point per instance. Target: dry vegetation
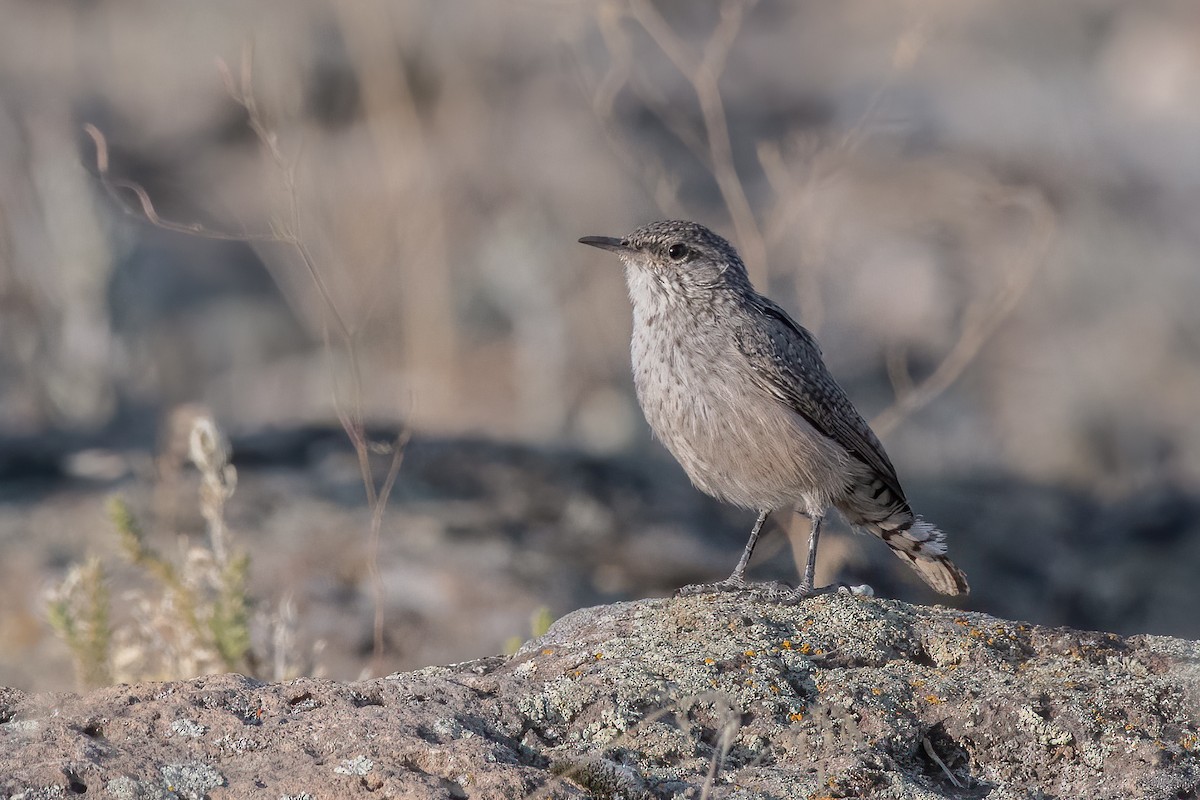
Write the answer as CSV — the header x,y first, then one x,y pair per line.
x,y
186,616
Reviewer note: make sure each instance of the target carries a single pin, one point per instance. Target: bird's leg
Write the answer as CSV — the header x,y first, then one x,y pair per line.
x,y
810,568
737,579
806,587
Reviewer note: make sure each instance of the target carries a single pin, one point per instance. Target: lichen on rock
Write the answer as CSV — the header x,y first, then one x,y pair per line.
x,y
719,696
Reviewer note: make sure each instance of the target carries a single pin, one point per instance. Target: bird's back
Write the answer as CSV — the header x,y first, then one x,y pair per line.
x,y
787,363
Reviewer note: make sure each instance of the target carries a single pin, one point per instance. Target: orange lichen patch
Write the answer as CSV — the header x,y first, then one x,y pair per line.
x,y
599,656
710,661
916,683
787,644
547,652
806,648
875,690
961,621
933,699
750,654
796,717
1189,741
774,689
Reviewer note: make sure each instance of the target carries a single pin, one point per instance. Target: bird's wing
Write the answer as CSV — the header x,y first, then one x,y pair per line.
x,y
786,361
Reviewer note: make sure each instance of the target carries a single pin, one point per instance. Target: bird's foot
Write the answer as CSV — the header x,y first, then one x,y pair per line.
x,y
733,584
802,592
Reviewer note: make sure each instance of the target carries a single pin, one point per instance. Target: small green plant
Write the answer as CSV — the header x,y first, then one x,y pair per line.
x,y
199,610
193,617
78,609
539,623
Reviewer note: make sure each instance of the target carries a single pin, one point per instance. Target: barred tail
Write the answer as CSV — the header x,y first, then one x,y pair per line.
x,y
923,547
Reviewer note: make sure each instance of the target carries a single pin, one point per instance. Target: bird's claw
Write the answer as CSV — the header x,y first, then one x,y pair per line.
x,y
803,592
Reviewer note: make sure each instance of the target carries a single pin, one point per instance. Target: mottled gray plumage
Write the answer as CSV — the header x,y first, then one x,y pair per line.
x,y
739,394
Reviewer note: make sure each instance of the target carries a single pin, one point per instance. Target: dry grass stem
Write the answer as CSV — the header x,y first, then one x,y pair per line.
x,y
209,451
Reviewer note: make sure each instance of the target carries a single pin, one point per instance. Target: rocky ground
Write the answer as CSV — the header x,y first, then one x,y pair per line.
x,y
709,696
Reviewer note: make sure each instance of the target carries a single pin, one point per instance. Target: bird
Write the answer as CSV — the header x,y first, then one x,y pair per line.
x,y
738,392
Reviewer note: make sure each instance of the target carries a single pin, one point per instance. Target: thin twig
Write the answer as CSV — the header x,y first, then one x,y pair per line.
x,y
896,359
352,421
981,319
145,207
793,198
704,76
660,183
929,751
397,449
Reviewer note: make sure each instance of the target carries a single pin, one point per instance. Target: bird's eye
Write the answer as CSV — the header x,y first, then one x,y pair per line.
x,y
677,252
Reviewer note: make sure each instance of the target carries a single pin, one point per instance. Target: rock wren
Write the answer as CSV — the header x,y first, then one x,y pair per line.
x,y
737,391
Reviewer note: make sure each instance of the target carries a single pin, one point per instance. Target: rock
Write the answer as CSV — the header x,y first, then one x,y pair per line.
x,y
709,696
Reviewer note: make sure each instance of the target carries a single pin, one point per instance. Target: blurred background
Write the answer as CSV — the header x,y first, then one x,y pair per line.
x,y
288,212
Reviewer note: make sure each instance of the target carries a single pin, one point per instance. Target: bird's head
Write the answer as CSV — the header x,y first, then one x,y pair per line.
x,y
676,256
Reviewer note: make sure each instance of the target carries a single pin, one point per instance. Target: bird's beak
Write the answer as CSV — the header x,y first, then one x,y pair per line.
x,y
606,243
